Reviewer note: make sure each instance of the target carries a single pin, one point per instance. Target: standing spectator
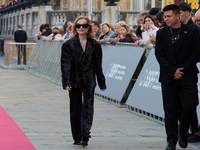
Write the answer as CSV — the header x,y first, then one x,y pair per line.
x,y
81,62
42,32
60,35
160,19
134,30
116,35
151,30
153,12
126,34
197,18
48,29
140,28
67,27
20,36
96,29
55,32
185,18
105,31
112,28
176,50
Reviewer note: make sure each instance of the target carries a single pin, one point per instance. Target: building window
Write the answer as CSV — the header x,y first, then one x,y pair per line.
x,y
136,5
158,4
147,4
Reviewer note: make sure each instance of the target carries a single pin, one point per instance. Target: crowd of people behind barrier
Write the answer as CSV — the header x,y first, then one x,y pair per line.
x,y
143,33
147,25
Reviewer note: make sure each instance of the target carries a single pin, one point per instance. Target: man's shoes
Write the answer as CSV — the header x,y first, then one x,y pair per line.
x,y
182,140
192,138
170,147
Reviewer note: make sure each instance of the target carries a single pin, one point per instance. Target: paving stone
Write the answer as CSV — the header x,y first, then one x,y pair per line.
x,y
41,109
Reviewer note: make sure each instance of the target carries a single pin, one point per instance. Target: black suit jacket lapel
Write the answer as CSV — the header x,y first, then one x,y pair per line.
x,y
88,48
183,33
77,46
169,39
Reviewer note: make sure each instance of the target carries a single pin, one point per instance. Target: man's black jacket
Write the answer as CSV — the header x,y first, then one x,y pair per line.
x,y
185,56
20,36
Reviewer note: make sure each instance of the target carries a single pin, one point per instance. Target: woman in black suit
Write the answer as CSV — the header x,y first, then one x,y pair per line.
x,y
81,60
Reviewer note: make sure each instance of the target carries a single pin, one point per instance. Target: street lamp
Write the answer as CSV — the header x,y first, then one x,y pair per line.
x,y
111,2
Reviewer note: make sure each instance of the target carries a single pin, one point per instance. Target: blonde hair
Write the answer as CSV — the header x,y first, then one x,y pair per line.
x,y
61,31
119,24
90,31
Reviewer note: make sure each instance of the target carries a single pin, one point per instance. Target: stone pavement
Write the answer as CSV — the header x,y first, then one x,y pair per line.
x,y
41,109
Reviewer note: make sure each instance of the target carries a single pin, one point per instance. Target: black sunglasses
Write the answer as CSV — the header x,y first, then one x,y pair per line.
x,y
85,25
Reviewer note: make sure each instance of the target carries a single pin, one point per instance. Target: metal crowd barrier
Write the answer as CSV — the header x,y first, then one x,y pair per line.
x,y
44,60
17,54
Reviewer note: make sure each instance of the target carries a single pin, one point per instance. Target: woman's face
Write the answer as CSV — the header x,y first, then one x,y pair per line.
x,y
148,21
82,27
123,31
44,30
117,29
105,29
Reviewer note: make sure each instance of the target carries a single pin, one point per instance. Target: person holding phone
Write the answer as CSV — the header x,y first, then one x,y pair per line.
x,y
150,30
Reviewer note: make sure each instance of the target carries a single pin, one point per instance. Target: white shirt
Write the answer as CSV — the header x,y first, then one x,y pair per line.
x,y
146,37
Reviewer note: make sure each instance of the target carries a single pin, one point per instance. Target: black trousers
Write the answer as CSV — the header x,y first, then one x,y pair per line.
x,y
195,124
21,49
81,112
176,95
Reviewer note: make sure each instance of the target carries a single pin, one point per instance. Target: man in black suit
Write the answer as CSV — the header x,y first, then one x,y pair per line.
x,y
20,36
176,50
185,18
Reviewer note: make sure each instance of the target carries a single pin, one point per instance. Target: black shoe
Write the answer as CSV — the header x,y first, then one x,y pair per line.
x,y
84,141
77,143
192,138
182,140
170,147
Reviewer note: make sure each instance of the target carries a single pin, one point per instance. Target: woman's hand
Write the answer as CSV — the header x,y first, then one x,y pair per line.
x,y
135,38
68,88
107,38
152,25
152,39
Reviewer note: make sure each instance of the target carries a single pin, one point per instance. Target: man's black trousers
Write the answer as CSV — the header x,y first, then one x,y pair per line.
x,y
177,94
21,49
81,112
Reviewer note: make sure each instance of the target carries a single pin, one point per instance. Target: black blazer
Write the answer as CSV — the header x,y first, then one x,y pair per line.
x,y
79,68
20,36
185,56
127,39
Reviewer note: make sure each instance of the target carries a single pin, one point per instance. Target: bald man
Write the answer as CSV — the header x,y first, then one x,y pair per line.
x,y
197,17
